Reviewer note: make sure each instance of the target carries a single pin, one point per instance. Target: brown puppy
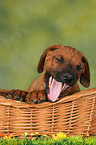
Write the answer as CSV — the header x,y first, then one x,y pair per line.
x,y
61,68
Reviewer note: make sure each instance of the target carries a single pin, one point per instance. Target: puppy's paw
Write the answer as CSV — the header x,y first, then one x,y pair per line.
x,y
7,93
35,97
20,95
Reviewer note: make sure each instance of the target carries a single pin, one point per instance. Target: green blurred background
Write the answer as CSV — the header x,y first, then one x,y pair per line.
x,y
28,27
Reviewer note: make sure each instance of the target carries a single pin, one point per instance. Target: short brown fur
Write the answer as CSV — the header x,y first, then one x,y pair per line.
x,y
48,63
65,64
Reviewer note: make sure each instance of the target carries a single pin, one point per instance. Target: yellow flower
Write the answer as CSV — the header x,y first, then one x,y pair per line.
x,y
32,134
44,135
25,134
61,135
33,138
87,134
54,137
37,133
10,136
5,137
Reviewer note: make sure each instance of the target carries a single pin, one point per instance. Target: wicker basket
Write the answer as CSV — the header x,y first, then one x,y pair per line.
x,y
74,114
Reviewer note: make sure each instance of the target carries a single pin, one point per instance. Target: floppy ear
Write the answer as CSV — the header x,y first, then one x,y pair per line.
x,y
43,56
85,77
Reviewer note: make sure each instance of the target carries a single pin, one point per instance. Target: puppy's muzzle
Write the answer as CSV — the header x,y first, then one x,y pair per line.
x,y
66,77
69,79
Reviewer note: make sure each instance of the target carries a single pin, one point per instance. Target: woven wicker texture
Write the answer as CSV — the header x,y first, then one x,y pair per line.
x,y
74,114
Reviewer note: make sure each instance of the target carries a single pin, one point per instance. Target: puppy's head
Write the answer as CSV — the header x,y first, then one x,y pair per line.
x,y
63,66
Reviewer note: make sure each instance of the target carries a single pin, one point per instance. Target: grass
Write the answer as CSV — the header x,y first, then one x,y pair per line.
x,y
72,140
27,28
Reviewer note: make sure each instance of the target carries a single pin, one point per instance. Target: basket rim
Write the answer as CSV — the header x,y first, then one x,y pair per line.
x,y
18,104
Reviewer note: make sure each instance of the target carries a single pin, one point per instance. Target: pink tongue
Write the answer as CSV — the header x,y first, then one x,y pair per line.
x,y
55,90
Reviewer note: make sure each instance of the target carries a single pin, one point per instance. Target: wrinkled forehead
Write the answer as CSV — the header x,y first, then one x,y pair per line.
x,y
66,52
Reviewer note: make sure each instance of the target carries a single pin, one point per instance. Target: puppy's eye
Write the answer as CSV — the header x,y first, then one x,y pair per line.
x,y
60,60
79,67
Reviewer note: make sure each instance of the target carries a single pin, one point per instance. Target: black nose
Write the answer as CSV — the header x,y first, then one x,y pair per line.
x,y
68,78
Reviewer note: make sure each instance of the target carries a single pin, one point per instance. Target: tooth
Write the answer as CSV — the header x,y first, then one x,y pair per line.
x,y
50,81
64,85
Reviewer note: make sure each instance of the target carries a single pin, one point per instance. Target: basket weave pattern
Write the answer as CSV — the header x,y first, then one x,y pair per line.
x,y
74,114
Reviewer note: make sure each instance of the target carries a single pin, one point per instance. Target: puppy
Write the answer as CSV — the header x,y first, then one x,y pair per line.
x,y
61,68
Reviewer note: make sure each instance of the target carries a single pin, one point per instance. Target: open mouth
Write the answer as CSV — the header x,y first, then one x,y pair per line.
x,y
55,88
